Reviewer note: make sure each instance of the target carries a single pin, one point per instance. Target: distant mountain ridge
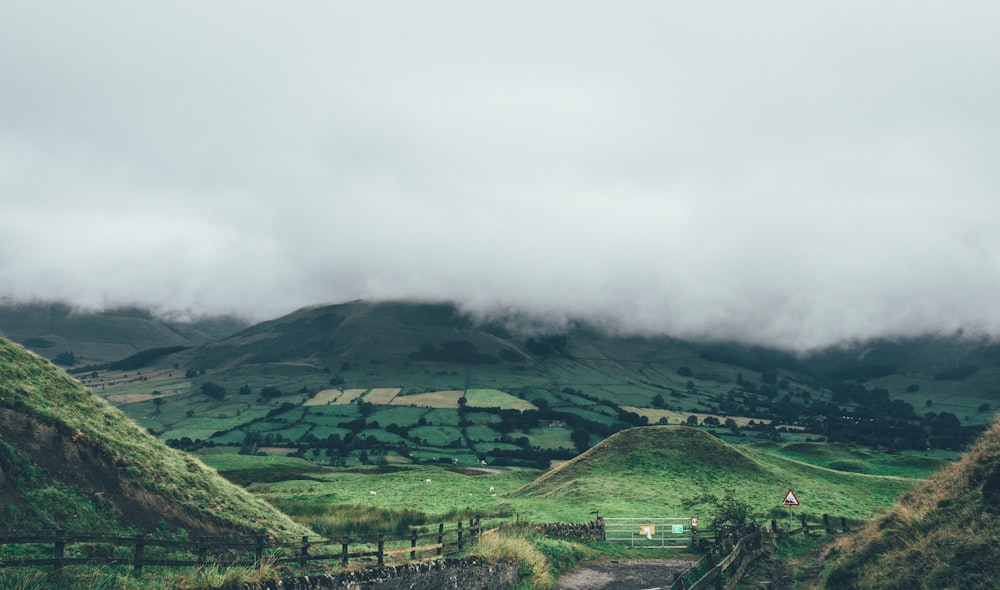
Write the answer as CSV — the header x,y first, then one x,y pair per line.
x,y
261,386
52,329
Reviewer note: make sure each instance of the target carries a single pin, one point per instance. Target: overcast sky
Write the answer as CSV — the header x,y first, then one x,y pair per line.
x,y
790,173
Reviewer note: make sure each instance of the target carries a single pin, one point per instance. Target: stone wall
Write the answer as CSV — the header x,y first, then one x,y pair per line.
x,y
470,573
574,531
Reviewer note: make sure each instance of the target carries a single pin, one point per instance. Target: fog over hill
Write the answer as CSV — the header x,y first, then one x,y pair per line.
x,y
780,173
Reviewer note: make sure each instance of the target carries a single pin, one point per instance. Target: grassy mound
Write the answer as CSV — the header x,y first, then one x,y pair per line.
x,y
941,535
652,470
69,460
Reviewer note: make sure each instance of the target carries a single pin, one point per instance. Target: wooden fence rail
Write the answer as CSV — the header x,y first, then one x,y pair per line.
x,y
725,564
61,550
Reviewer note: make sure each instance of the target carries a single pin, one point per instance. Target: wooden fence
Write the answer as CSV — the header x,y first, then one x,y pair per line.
x,y
725,564
60,550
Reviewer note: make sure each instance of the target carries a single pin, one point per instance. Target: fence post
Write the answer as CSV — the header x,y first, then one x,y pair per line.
x,y
304,552
826,523
413,543
343,550
202,551
843,523
717,581
258,553
678,581
460,535
805,525
59,552
140,547
774,527
440,538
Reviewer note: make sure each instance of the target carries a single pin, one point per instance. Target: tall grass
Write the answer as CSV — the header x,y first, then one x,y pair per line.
x,y
541,559
350,520
331,520
124,578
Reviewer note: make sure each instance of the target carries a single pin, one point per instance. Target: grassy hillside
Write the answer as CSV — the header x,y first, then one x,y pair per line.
x,y
69,460
941,535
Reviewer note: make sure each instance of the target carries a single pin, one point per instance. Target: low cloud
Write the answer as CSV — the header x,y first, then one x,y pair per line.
x,y
776,173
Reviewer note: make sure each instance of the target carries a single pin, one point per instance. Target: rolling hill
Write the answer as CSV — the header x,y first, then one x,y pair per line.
x,y
70,461
415,382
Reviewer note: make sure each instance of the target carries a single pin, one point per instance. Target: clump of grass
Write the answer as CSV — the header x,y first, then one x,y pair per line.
x,y
505,546
541,558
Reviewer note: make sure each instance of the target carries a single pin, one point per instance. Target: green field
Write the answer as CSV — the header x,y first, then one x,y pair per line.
x,y
645,471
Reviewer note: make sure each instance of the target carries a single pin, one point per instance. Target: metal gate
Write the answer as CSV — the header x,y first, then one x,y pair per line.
x,y
659,533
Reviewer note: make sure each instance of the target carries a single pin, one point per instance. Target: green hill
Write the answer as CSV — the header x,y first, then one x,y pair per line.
x,y
943,534
70,461
650,470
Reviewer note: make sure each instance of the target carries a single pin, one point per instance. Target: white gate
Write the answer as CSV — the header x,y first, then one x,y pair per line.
x,y
659,533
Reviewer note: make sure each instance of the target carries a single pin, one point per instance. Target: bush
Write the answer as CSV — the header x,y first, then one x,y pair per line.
x,y
213,390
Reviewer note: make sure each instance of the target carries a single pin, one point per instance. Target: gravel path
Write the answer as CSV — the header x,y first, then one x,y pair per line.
x,y
625,574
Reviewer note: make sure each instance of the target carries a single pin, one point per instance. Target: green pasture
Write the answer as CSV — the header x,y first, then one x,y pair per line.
x,y
494,398
442,417
481,433
855,459
405,416
397,487
550,437
482,418
637,480
436,436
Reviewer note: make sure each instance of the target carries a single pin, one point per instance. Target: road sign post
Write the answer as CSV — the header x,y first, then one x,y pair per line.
x,y
791,501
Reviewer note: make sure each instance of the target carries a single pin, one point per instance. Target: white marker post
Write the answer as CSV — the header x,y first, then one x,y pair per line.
x,y
790,501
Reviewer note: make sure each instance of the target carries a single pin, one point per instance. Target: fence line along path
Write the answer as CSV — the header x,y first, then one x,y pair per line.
x,y
59,550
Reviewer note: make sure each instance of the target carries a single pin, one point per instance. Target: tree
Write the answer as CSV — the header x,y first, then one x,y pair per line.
x,y
270,392
213,390
726,510
66,359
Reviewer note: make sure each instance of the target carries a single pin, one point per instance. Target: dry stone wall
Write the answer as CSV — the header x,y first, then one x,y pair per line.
x,y
444,574
574,531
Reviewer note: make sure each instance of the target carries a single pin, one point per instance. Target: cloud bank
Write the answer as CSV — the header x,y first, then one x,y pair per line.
x,y
773,172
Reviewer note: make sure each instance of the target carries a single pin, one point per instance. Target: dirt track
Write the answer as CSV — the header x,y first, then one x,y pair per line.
x,y
625,574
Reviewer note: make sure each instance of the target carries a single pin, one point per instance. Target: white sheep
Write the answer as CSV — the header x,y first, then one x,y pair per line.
x,y
427,481
492,491
372,493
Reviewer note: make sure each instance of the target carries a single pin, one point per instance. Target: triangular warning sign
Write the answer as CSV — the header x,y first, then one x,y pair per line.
x,y
790,499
